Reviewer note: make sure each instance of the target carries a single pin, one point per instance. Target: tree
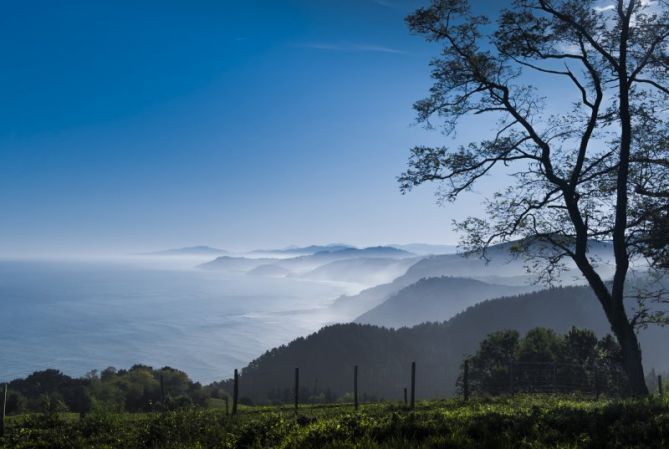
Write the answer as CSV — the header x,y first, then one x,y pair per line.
x,y
596,169
543,360
490,366
540,346
78,399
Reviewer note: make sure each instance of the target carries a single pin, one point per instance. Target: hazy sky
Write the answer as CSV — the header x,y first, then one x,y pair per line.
x,y
138,125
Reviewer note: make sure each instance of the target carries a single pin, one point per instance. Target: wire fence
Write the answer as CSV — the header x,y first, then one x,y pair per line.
x,y
543,377
512,378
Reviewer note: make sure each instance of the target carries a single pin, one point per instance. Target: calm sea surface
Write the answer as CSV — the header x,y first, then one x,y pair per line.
x,y
76,316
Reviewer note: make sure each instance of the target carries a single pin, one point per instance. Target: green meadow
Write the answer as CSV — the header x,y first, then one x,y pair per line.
x,y
513,422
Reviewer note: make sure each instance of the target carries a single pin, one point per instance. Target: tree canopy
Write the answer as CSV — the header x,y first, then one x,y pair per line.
x,y
544,361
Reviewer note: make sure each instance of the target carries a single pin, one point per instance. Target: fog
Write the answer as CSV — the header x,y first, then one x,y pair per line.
x,y
209,311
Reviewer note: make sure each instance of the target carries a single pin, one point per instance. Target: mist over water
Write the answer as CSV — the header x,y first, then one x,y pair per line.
x,y
81,314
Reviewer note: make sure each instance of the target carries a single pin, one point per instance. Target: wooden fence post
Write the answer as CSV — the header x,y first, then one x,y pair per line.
x,y
465,381
660,388
413,385
297,388
162,390
4,410
235,393
355,386
406,400
227,406
511,386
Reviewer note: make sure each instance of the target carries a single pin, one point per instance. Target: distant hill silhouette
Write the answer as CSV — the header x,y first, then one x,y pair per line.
x,y
372,251
302,264
425,249
327,357
362,270
269,271
302,250
235,264
500,267
434,299
189,251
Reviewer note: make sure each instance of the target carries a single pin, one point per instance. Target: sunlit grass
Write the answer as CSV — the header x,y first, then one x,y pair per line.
x,y
520,421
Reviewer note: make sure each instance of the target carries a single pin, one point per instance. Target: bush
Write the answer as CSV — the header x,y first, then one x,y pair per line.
x,y
524,421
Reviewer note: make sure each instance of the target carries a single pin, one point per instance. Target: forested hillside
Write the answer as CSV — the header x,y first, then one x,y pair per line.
x,y
326,358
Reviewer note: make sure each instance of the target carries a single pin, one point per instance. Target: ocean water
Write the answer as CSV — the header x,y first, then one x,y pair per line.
x,y
80,315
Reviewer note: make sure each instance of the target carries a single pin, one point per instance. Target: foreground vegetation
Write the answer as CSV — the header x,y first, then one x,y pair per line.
x,y
163,408
527,421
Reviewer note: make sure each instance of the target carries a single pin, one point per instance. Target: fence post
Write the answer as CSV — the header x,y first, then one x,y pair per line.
x,y
235,393
355,386
465,381
413,385
660,388
406,401
297,388
162,390
4,409
511,386
227,409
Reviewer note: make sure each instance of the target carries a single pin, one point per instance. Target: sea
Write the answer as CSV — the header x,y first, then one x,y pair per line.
x,y
77,315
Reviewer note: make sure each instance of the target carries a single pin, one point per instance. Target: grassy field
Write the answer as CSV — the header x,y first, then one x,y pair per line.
x,y
519,422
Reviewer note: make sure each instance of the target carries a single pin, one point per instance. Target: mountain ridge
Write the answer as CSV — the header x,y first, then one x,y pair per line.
x,y
199,250
434,299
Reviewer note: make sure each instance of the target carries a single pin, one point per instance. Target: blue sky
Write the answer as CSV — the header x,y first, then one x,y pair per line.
x,y
138,125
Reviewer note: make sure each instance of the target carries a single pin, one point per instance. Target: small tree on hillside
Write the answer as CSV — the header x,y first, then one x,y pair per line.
x,y
543,360
597,170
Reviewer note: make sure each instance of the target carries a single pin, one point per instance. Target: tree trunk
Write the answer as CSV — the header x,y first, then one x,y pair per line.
x,y
621,326
620,322
631,355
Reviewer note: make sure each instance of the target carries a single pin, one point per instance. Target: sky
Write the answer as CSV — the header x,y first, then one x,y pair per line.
x,y
140,125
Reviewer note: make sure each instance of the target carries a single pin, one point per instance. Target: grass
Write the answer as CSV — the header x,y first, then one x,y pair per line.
x,y
519,422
